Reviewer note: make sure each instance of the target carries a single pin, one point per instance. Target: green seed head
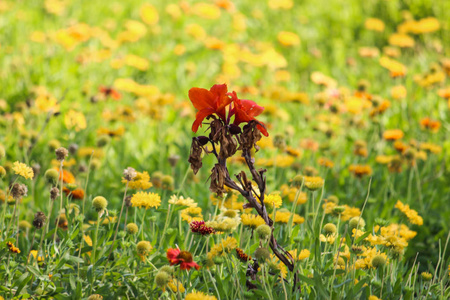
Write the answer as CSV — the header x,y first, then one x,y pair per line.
x,y
263,232
378,261
51,176
99,203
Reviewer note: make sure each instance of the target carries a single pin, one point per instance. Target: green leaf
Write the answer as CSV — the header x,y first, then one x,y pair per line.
x,y
21,282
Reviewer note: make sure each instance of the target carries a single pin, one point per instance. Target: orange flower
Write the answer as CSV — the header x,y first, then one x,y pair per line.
x,y
393,134
216,100
67,176
430,124
209,102
110,92
76,193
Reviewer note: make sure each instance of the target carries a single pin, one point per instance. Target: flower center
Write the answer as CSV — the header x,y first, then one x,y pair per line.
x,y
186,256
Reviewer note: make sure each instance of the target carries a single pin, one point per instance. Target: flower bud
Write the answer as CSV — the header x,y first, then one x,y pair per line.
x,y
132,228
99,203
329,229
378,261
51,176
356,222
262,254
263,232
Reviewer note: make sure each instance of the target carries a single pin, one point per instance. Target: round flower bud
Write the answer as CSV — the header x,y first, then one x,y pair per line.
x,y
356,222
378,261
99,203
157,179
95,164
218,260
95,297
132,229
152,219
329,229
262,254
167,182
103,140
162,279
121,234
2,172
339,209
340,262
143,248
51,176
168,269
24,225
170,231
61,153
333,199
263,232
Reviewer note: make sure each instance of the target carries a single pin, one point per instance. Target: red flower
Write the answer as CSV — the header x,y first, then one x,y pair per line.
x,y
182,258
110,92
209,102
246,111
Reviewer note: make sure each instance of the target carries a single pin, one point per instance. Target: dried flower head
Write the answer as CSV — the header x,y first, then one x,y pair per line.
x,y
129,174
54,193
19,190
39,220
61,153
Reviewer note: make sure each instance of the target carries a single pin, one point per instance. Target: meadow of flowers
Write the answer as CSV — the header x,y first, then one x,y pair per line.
x,y
224,149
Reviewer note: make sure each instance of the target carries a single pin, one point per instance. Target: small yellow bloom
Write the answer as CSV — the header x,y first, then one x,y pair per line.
x,y
23,170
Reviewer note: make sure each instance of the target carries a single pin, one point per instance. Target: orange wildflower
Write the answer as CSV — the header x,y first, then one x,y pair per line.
x,y
393,134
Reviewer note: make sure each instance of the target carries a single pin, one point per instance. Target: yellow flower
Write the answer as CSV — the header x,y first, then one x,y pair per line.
x,y
222,248
398,92
313,183
192,214
304,254
206,10
374,24
199,296
288,39
411,214
181,201
75,120
401,40
350,212
176,286
372,297
147,200
252,221
140,182
46,103
284,216
34,253
196,31
281,4
23,170
149,14
273,200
